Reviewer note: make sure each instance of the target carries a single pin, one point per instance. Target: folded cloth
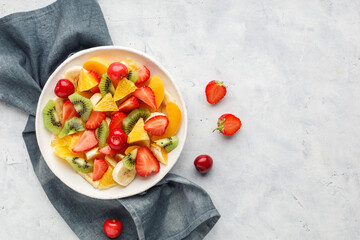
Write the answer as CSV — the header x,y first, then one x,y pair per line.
x,y
32,45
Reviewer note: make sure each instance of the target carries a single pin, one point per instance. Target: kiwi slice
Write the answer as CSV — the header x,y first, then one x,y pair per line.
x,y
133,76
51,119
71,126
130,159
82,105
102,133
131,119
80,164
169,143
106,85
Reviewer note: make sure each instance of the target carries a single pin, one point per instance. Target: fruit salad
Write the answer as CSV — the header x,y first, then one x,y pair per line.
x,y
112,121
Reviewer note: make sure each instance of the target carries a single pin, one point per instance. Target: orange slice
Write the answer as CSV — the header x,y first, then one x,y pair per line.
x,y
160,153
63,151
60,142
138,133
74,138
86,81
130,64
106,104
129,149
107,180
157,85
173,113
124,88
97,64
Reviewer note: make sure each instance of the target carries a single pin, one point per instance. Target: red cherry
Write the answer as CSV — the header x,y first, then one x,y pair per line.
x,y
112,228
203,163
117,139
64,88
117,71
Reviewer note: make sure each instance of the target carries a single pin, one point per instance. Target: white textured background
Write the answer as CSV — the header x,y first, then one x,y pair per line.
x,y
293,75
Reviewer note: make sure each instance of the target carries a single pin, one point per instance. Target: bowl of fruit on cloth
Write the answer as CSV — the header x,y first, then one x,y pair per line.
x,y
110,122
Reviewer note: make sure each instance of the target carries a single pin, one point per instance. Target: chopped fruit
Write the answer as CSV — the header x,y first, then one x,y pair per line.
x,y
97,64
228,124
122,175
63,151
130,64
146,95
203,163
51,119
146,162
86,94
71,126
107,180
112,228
98,79
95,98
64,88
117,139
133,76
65,141
86,81
174,115
100,167
74,139
80,164
133,117
93,153
157,85
82,105
107,150
138,133
157,125
124,88
86,142
143,74
130,159
68,111
102,133
111,160
169,143
95,119
106,85
129,149
106,104
117,71
59,108
215,91
129,105
160,153
117,121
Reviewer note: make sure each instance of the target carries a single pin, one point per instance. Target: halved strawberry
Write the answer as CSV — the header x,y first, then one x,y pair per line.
x,y
157,125
146,95
100,167
117,121
95,119
144,74
146,162
86,142
215,91
228,124
98,79
129,105
107,150
68,111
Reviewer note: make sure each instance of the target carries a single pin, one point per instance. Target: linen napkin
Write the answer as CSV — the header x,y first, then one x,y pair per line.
x,y
32,45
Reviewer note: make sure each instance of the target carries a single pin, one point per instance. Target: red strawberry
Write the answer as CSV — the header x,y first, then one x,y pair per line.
x,y
86,142
228,124
68,111
146,162
95,119
100,167
144,74
215,91
146,95
157,125
107,150
116,121
98,79
129,105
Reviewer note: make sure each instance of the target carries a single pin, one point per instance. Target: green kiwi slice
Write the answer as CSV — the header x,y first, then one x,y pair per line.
x,y
102,133
168,144
131,119
106,85
82,105
71,126
130,159
80,164
133,76
51,119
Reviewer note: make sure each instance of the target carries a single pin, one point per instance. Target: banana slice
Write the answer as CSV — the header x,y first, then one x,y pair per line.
x,y
122,175
154,114
111,161
90,155
89,178
73,74
59,107
107,119
95,98
168,98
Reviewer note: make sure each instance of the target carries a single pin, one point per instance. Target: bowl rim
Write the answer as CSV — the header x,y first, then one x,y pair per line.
x,y
112,47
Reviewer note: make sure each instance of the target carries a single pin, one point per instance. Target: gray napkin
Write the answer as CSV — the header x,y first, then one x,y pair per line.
x,y
32,45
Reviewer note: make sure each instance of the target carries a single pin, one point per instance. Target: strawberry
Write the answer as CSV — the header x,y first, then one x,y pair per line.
x,y
86,142
129,105
116,121
100,167
146,95
107,150
95,119
146,162
215,91
68,111
144,74
228,124
98,79
156,125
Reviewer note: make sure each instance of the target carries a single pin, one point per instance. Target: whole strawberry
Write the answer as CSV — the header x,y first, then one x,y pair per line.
x,y
215,91
228,124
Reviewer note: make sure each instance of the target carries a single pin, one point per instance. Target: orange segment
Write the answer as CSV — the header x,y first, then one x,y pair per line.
x,y
129,149
97,64
63,151
174,115
124,88
138,133
65,141
107,180
74,138
130,64
86,81
106,104
160,153
157,85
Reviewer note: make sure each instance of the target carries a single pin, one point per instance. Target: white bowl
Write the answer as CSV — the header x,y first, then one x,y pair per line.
x,y
63,170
